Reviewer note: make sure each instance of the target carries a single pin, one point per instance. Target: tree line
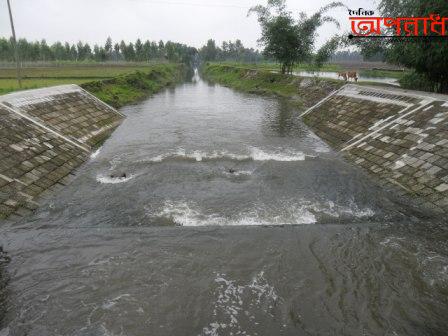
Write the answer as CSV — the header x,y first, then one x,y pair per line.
x,y
426,57
230,51
138,51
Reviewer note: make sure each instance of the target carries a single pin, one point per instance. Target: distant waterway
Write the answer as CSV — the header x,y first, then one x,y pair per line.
x,y
213,212
334,75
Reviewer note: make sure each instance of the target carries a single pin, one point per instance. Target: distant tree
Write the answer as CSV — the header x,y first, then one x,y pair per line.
x,y
286,40
73,53
209,52
139,54
117,51
45,51
123,48
147,50
428,58
87,52
130,52
80,51
41,51
108,47
326,51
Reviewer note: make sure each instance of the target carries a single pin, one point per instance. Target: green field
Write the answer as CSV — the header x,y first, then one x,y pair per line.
x,y
276,67
67,74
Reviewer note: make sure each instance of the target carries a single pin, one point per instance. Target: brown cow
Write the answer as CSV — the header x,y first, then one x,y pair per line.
x,y
352,74
343,75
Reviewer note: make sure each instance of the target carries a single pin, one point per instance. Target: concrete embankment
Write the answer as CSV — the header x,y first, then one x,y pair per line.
x,y
45,135
398,136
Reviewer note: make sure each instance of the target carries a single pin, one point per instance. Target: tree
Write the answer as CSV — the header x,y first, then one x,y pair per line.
x,y
286,40
139,54
428,58
108,46
209,51
116,51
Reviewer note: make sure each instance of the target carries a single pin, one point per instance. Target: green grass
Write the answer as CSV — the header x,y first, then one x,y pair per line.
x,y
116,84
241,78
299,91
10,85
126,89
382,73
75,71
37,77
276,67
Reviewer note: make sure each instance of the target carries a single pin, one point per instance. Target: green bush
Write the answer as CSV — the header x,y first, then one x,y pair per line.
x,y
416,81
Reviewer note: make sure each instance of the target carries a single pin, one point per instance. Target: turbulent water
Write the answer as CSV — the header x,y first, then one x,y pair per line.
x,y
211,212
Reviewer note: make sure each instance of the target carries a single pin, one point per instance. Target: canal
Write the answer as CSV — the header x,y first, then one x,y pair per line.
x,y
213,212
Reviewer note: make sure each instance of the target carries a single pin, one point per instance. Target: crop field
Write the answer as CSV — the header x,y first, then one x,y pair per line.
x,y
36,77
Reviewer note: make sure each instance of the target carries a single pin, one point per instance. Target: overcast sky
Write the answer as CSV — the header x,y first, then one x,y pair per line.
x,y
187,21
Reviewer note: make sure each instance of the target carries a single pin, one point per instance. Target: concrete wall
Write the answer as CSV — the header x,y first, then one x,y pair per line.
x,y
399,136
44,135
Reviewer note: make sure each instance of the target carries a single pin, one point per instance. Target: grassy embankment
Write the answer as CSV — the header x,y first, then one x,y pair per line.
x,y
301,91
117,85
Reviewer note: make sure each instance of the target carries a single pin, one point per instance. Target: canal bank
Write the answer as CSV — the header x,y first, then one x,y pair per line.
x,y
48,133
398,136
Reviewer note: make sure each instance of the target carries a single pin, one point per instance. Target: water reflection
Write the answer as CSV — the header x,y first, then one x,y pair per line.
x,y
334,75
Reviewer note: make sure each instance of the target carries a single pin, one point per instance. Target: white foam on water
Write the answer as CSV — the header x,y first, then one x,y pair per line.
x,y
235,303
113,180
287,156
188,214
254,154
337,211
95,154
289,213
111,303
239,173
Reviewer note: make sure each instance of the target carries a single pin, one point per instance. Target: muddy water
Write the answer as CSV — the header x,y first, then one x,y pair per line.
x,y
211,212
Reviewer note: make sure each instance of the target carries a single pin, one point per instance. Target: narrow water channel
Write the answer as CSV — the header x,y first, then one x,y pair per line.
x,y
212,212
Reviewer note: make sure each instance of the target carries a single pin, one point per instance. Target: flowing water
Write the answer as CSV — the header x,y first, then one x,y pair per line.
x,y
211,212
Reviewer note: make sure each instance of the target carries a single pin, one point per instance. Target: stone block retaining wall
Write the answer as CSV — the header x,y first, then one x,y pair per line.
x,y
399,136
44,135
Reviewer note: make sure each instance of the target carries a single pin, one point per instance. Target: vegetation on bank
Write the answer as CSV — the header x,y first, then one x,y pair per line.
x,y
37,77
251,81
301,91
116,86
309,67
271,66
289,40
126,89
428,58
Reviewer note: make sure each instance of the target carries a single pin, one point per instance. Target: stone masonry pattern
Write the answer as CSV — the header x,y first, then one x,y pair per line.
x,y
399,136
44,137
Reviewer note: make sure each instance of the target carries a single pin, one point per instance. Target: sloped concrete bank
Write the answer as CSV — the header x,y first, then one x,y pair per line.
x,y
399,136
45,134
